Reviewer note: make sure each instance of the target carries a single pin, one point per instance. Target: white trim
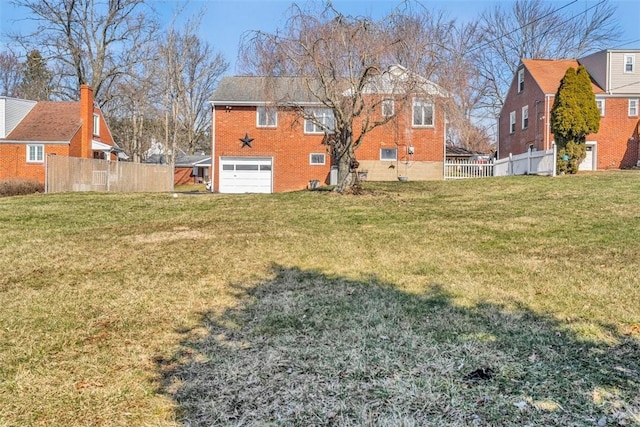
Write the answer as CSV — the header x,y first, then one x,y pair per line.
x,y
96,124
603,105
632,63
423,103
634,101
312,163
38,159
389,149
520,80
266,110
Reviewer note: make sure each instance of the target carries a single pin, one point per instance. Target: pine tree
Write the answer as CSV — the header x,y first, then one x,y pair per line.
x,y
36,83
574,115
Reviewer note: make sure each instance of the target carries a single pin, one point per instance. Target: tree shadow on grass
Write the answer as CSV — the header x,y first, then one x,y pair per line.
x,y
307,349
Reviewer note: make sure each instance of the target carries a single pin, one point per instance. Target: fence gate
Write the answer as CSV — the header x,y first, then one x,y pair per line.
x,y
65,174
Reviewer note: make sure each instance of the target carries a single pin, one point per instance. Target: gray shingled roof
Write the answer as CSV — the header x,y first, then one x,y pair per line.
x,y
252,90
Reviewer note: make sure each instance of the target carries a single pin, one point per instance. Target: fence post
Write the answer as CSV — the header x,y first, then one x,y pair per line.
x,y
555,156
510,167
529,151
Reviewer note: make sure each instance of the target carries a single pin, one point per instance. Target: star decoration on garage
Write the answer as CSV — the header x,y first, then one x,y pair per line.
x,y
246,141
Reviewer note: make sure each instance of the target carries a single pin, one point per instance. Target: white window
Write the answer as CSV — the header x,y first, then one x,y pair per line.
x,y
422,112
512,122
629,63
388,154
520,80
525,117
388,107
600,103
35,153
319,120
633,107
316,159
267,117
96,124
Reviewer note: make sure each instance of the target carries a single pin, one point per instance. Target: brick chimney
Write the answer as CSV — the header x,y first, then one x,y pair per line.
x,y
86,114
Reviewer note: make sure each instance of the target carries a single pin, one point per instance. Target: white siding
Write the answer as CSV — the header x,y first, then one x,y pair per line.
x,y
12,111
621,82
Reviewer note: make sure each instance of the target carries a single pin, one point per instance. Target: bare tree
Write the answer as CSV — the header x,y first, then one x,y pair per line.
x,y
537,29
190,71
89,41
345,63
10,73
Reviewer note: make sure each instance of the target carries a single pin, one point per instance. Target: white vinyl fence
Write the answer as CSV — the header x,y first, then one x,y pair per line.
x,y
529,163
466,168
76,174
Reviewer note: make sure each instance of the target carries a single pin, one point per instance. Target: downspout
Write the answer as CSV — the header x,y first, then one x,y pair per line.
x,y
547,123
444,144
213,143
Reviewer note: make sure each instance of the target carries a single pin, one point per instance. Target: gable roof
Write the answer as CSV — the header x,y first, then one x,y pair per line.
x,y
49,121
549,72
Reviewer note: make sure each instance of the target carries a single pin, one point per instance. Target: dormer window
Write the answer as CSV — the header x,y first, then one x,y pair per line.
x,y
96,125
520,80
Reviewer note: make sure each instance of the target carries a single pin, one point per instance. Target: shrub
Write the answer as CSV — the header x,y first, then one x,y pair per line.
x,y
16,187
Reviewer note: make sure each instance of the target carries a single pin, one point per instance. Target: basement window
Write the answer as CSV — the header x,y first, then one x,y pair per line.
x,y
316,159
388,154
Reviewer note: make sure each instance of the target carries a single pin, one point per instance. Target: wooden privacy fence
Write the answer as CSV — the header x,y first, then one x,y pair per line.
x,y
76,174
465,168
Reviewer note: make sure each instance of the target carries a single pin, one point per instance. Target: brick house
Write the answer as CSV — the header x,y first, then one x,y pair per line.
x,y
32,130
524,118
259,145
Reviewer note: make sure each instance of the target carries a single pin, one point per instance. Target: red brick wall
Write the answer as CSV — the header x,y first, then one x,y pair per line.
x,y
519,141
13,161
290,147
287,144
617,138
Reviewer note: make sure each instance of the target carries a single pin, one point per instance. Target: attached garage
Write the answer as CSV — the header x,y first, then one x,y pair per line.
x,y
245,175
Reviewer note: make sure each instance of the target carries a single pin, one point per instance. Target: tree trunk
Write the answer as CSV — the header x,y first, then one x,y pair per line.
x,y
347,163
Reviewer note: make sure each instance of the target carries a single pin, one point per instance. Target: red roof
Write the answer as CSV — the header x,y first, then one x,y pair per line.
x,y
549,72
49,121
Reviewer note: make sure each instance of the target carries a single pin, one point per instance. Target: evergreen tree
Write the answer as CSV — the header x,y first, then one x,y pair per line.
x,y
36,83
574,115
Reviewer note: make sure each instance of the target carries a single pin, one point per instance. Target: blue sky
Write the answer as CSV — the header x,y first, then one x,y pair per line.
x,y
224,21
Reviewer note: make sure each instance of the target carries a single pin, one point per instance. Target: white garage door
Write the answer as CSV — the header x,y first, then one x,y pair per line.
x,y
245,175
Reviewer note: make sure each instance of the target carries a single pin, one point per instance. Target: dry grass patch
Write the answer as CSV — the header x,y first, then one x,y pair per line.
x,y
145,309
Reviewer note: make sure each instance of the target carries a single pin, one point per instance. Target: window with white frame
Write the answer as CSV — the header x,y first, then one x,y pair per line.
x,y
319,120
96,124
267,117
520,80
422,112
525,117
35,153
388,154
629,63
316,159
388,107
633,107
512,122
601,106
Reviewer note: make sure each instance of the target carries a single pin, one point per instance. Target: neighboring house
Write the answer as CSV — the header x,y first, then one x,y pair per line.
x,y
30,131
524,120
192,169
459,154
261,148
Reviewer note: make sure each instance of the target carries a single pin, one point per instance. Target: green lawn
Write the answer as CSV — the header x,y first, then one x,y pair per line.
x,y
507,301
